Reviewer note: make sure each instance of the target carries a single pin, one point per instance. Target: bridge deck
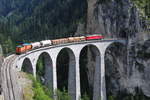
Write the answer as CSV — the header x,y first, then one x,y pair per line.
x,y
73,43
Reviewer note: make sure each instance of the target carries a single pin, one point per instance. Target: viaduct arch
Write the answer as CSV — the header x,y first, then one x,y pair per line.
x,y
90,71
44,69
27,66
67,56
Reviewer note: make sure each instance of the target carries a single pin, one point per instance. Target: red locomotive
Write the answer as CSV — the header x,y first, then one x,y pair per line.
x,y
94,37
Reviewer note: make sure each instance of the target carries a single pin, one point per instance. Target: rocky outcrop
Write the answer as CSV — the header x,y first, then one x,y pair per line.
x,y
140,74
116,69
127,69
1,60
112,18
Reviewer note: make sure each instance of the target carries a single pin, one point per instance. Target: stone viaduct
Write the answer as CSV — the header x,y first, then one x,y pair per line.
x,y
74,49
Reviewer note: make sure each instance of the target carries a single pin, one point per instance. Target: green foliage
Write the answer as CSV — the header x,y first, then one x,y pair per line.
x,y
63,95
85,97
111,98
7,44
40,95
5,38
40,66
40,91
144,7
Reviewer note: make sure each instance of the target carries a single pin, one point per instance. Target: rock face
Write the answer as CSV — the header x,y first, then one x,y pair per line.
x,y
116,69
1,60
112,18
127,68
140,73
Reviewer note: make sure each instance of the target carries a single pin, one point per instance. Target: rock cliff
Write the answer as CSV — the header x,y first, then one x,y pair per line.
x,y
1,60
113,18
127,68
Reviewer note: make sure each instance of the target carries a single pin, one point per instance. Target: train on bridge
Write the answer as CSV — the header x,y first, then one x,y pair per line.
x,y
24,47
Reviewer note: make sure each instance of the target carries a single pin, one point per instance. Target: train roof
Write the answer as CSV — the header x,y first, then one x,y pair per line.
x,y
26,44
19,46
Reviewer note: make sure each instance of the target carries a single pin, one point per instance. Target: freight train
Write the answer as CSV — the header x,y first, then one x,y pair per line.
x,y
25,47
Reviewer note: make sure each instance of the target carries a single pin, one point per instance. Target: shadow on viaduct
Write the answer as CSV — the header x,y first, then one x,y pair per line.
x,y
74,50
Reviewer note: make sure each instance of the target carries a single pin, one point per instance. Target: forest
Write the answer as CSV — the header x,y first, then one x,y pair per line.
x,y
34,20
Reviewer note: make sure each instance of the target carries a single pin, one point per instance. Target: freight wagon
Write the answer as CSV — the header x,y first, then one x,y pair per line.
x,y
25,47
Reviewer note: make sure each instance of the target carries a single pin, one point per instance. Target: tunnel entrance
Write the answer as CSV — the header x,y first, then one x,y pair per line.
x,y
44,70
27,66
90,72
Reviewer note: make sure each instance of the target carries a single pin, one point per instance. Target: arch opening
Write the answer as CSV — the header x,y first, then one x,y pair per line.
x,y
116,70
27,66
44,70
90,72
66,71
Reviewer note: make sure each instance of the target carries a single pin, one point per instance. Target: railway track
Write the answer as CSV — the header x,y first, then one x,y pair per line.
x,y
8,86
